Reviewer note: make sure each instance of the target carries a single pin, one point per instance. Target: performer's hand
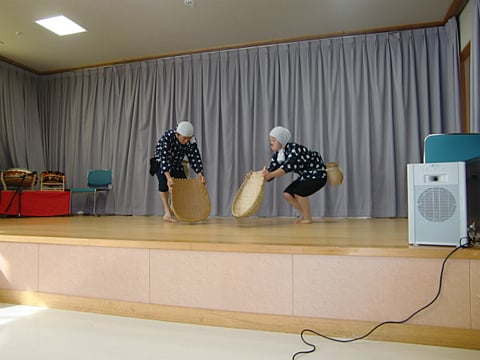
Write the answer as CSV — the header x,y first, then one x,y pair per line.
x,y
266,174
170,183
202,178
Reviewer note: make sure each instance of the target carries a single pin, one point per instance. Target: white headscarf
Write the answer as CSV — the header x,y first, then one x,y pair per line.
x,y
283,136
185,129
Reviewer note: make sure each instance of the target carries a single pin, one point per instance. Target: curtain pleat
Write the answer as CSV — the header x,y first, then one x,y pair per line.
x,y
21,142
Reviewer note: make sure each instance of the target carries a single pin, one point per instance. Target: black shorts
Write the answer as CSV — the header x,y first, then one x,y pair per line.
x,y
305,187
162,179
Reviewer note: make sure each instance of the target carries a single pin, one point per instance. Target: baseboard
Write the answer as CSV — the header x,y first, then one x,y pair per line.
x,y
346,329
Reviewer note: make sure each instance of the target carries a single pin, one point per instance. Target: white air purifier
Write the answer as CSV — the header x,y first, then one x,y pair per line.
x,y
437,203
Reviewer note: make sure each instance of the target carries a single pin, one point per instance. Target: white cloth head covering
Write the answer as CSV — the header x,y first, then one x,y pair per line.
x,y
283,136
185,129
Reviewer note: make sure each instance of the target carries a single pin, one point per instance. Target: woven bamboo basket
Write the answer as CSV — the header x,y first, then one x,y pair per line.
x,y
334,174
249,196
190,200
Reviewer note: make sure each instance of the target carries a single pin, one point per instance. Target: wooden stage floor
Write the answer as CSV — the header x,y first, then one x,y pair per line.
x,y
335,236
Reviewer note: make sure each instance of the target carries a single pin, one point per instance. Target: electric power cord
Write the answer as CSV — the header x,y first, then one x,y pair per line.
x,y
470,242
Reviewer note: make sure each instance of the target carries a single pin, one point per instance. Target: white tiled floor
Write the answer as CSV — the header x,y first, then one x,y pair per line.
x,y
44,334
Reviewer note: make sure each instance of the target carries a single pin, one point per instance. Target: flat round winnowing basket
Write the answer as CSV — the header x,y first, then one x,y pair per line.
x,y
249,196
334,174
190,200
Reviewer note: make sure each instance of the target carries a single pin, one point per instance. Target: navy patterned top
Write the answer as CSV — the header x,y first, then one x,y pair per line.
x,y
169,153
307,163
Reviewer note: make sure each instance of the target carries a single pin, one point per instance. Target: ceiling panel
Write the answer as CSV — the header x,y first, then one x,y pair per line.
x,y
123,30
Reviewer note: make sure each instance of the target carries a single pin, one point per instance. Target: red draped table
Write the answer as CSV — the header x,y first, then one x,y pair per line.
x,y
35,203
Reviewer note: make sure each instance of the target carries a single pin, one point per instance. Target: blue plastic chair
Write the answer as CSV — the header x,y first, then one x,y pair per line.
x,y
451,147
98,180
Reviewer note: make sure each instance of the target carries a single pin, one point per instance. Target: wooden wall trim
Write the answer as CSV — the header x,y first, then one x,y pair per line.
x,y
465,53
455,9
465,88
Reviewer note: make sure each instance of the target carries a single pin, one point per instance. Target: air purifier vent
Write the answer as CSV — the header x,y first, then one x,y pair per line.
x,y
436,204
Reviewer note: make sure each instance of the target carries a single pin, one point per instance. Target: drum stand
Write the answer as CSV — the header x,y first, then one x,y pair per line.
x,y
18,191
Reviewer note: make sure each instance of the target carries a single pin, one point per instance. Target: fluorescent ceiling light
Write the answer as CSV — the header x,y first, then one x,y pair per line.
x,y
60,25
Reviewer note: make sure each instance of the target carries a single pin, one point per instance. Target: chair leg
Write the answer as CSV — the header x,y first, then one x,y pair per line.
x,y
94,203
114,205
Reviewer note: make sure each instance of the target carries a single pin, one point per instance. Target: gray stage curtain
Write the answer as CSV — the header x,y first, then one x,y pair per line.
x,y
366,102
21,144
475,69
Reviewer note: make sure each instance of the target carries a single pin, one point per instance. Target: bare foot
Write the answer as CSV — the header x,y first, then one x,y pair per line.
x,y
300,219
305,221
169,218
